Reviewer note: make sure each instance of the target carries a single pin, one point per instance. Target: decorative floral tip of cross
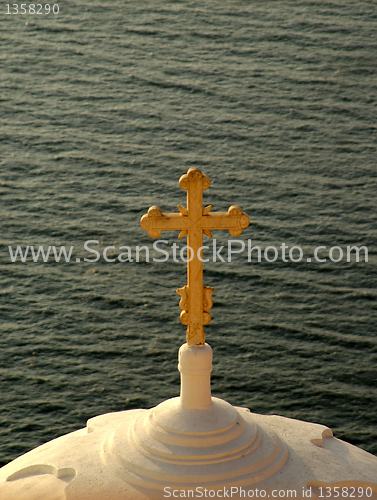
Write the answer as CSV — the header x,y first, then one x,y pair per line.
x,y
193,222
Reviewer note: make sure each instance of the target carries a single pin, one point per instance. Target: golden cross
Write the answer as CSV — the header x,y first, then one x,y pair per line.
x,y
193,221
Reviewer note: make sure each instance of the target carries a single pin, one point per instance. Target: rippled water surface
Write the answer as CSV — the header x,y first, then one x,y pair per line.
x,y
102,108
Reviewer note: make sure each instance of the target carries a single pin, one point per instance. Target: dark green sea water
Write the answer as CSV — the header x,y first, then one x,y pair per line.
x,y
101,109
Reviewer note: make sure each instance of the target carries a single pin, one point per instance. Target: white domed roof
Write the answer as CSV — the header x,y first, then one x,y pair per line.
x,y
192,443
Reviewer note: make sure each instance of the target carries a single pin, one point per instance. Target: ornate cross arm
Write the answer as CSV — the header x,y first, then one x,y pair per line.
x,y
234,221
156,221
192,222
